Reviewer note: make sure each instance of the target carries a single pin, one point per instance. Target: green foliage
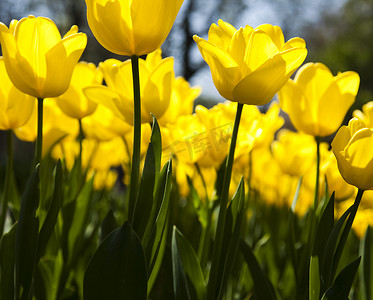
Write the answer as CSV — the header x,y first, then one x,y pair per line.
x,y
118,268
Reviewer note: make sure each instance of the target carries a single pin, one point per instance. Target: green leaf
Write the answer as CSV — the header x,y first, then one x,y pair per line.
x,y
342,284
156,141
80,219
144,201
181,289
153,237
331,245
232,232
7,259
323,231
345,232
366,271
117,270
158,262
157,203
27,236
263,288
185,263
51,219
314,281
49,271
108,225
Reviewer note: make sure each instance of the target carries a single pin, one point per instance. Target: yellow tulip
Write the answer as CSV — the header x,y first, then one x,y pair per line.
x,y
131,27
249,65
352,146
294,152
156,84
15,106
316,101
73,102
38,61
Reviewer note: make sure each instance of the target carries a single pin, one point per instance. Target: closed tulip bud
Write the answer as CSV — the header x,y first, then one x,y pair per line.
x,y
352,146
249,65
38,61
316,101
131,27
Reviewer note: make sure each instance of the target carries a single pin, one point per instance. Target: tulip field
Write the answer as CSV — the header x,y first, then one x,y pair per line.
x,y
134,192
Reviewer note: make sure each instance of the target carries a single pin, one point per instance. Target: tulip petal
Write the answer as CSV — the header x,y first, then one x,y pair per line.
x,y
19,70
105,96
260,49
274,32
224,70
157,15
341,139
294,43
256,88
220,35
34,38
107,22
337,102
348,82
314,78
157,92
61,61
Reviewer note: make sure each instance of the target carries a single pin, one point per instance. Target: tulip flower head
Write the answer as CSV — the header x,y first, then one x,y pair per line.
x,y
73,102
249,65
316,101
352,146
156,85
38,61
131,27
294,152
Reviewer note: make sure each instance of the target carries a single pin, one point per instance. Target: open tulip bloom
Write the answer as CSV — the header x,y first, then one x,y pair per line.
x,y
38,61
316,101
249,65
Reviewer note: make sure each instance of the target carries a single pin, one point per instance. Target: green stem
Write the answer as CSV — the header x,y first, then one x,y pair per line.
x,y
135,170
39,139
214,280
8,181
316,200
80,140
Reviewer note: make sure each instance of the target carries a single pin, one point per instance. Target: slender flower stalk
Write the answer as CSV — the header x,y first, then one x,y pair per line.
x,y
135,170
216,254
80,140
39,139
8,181
317,184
